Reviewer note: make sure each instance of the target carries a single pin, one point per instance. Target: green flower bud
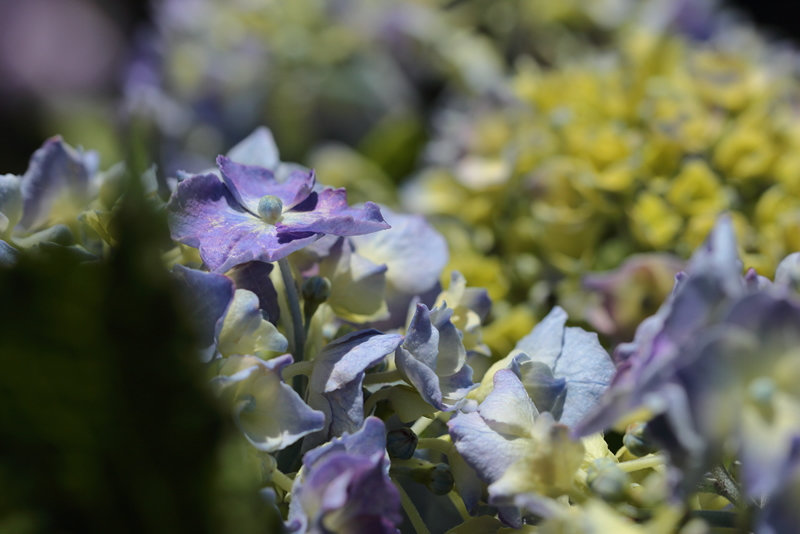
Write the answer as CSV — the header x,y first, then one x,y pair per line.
x,y
440,480
270,208
401,443
636,442
607,480
317,288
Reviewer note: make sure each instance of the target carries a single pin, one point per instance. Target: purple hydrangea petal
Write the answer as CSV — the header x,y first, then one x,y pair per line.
x,y
718,256
55,169
208,297
254,276
545,390
335,386
248,183
422,377
327,212
345,485
204,214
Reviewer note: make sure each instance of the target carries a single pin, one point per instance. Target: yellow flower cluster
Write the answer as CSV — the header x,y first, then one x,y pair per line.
x,y
635,150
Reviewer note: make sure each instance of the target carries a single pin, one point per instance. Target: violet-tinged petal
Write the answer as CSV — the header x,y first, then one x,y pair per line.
x,y
545,341
346,358
207,296
588,370
8,254
258,148
545,390
485,450
422,377
335,385
249,183
254,276
787,274
204,214
455,387
327,212
344,486
253,388
10,203
422,339
508,409
718,256
55,170
451,352
414,252
467,482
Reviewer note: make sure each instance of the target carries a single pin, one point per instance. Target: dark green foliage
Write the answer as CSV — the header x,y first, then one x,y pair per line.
x,y
105,422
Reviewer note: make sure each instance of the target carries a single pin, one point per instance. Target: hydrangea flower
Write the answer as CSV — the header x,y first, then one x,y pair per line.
x,y
432,358
507,441
246,331
344,486
250,216
253,390
336,378
55,188
471,307
564,369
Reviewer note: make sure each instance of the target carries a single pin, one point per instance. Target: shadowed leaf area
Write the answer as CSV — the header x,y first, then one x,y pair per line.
x,y
105,424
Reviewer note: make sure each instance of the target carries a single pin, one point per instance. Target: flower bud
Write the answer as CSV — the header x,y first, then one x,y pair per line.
x,y
440,480
270,208
607,480
636,442
401,443
316,288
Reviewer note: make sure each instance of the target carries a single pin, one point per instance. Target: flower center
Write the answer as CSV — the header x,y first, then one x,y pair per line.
x,y
270,208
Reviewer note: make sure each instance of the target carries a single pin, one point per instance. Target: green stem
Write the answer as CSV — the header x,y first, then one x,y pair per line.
x,y
436,444
382,378
297,368
422,423
646,462
294,308
381,394
724,485
411,510
282,481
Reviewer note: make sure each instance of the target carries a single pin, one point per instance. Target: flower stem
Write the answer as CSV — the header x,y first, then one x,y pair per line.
x,y
436,444
646,462
297,368
282,481
382,378
381,394
422,423
294,308
411,510
722,483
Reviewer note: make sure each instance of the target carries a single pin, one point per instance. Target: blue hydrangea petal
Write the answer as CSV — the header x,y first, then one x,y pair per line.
x,y
451,352
414,252
8,254
545,341
508,408
208,296
11,203
588,370
485,450
258,149
55,169
254,276
422,339
422,377
545,390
